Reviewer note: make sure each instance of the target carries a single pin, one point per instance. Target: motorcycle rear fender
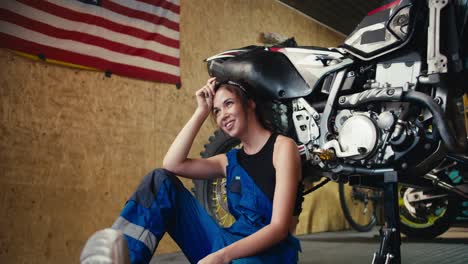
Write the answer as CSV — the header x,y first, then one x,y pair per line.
x,y
270,74
284,73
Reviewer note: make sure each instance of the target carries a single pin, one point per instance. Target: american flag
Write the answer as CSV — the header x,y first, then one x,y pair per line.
x,y
134,38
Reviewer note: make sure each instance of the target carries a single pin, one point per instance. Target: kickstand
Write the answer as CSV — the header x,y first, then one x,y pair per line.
x,y
390,240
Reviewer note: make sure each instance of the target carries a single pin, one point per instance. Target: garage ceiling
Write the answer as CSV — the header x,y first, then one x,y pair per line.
x,y
340,15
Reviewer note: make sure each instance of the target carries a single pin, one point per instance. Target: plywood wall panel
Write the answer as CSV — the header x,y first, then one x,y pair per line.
x,y
74,144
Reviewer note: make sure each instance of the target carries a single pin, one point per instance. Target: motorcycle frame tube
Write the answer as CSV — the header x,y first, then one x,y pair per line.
x,y
331,102
436,62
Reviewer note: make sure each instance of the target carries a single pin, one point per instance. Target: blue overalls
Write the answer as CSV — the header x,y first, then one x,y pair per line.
x,y
162,204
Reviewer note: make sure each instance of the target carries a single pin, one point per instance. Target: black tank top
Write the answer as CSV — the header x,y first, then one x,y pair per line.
x,y
260,167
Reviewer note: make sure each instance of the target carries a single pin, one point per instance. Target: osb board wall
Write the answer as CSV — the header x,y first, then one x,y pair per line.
x,y
75,144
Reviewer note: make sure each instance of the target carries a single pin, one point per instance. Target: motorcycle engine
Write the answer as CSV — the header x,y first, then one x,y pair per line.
x,y
375,137
358,134
362,136
367,129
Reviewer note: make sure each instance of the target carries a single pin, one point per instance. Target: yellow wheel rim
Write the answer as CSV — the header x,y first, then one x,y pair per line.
x,y
219,202
408,219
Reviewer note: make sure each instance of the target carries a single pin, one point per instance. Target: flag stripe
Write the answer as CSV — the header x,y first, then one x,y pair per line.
x,y
81,13
155,11
109,15
47,18
85,49
165,4
63,55
83,37
137,14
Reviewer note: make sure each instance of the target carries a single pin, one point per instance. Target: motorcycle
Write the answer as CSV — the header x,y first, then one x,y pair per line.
x,y
372,111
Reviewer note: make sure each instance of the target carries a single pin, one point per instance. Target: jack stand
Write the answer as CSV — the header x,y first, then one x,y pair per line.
x,y
390,240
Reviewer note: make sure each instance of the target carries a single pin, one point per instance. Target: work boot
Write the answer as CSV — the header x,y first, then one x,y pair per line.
x,y
107,246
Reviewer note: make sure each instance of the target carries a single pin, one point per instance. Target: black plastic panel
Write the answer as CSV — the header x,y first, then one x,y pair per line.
x,y
270,74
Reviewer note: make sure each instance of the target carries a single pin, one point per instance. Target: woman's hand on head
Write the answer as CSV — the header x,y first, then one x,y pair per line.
x,y
205,96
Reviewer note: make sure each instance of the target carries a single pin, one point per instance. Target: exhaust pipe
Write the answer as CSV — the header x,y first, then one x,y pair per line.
x,y
441,125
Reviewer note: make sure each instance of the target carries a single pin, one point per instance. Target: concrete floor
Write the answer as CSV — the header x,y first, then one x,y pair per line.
x,y
353,247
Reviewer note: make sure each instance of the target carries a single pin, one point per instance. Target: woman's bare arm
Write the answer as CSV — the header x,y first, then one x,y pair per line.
x,y
176,159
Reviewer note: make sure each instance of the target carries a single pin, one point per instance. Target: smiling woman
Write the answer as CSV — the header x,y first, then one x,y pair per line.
x,y
261,186
240,91
229,107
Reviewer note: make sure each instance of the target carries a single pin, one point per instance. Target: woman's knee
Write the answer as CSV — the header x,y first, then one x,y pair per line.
x,y
159,173
162,174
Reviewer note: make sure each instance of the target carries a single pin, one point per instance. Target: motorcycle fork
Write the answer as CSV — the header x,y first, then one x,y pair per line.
x,y
390,239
